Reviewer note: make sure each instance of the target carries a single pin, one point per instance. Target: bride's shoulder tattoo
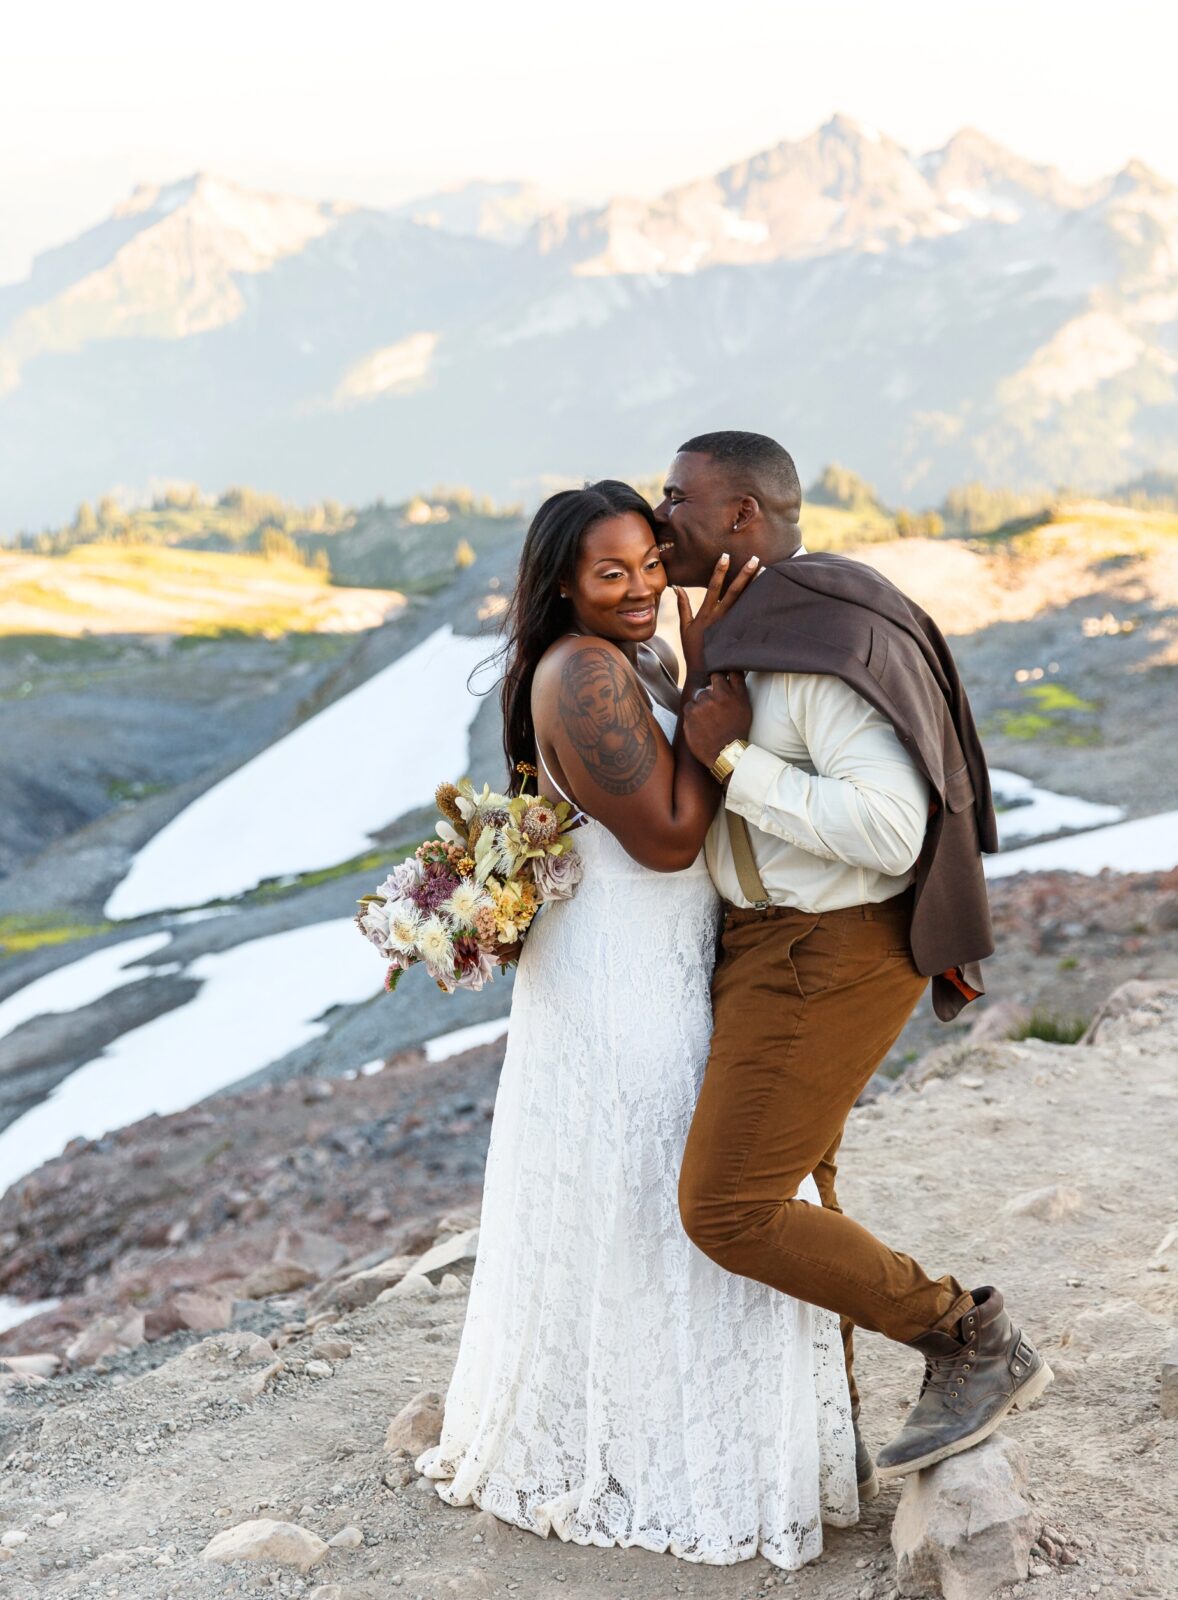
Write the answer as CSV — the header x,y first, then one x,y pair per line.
x,y
606,716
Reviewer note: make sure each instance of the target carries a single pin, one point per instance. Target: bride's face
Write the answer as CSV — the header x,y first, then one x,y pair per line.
x,y
618,580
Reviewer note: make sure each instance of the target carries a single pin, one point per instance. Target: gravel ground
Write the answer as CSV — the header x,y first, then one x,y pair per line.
x,y
147,1468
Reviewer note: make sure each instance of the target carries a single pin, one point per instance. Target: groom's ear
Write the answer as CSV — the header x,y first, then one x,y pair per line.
x,y
748,511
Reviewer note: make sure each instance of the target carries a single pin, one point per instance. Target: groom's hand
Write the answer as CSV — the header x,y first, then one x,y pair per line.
x,y
716,715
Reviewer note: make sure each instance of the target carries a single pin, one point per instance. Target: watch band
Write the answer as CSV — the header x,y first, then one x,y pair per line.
x,y
724,764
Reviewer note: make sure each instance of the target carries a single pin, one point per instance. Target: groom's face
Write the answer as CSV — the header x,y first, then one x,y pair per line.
x,y
695,517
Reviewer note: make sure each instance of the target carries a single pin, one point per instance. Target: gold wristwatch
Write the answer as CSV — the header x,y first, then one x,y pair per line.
x,y
722,767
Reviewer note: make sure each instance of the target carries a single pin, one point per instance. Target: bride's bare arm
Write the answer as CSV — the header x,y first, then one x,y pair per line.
x,y
592,712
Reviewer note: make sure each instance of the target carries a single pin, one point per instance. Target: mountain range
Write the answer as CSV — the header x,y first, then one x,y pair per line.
x,y
927,318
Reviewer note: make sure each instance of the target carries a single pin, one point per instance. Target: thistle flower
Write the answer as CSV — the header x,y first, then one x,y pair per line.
x,y
403,926
446,799
437,947
466,902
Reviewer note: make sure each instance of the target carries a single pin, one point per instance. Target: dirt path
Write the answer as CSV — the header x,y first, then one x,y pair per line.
x,y
148,1468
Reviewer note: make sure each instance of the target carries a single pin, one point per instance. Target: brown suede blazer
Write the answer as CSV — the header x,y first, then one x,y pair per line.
x,y
828,614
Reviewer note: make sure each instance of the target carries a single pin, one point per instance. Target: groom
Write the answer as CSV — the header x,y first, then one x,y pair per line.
x,y
856,804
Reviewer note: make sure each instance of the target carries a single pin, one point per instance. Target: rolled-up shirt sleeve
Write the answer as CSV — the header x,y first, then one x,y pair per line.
x,y
865,804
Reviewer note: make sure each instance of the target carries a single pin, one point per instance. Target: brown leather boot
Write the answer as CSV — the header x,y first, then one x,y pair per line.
x,y
865,1473
970,1383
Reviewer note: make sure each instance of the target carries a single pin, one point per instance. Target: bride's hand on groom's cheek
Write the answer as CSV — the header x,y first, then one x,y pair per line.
x,y
716,603
716,715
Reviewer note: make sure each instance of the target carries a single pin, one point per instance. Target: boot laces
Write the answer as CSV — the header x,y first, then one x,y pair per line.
x,y
939,1376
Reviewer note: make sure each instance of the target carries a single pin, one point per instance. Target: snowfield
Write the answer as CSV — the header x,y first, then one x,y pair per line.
x,y
316,796
256,1002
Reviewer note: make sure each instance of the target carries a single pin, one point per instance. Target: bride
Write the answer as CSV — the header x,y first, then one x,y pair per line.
x,y
613,1384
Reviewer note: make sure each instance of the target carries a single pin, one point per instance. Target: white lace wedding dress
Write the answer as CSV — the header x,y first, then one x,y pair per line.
x,y
614,1385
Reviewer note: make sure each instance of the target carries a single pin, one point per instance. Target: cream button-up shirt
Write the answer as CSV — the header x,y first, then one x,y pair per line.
x,y
835,805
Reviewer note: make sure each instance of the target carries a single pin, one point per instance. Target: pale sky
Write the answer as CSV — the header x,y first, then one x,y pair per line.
x,y
375,102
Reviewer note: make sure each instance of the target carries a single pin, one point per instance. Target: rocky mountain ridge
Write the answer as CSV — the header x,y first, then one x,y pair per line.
x,y
933,318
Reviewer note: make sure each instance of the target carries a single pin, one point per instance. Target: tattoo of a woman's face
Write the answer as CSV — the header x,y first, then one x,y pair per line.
x,y
607,719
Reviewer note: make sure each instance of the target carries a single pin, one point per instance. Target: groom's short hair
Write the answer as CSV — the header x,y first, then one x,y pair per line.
x,y
758,464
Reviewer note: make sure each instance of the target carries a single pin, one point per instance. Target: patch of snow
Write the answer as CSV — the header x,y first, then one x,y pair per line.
x,y
983,205
14,1312
737,227
316,796
370,1068
256,1002
79,983
1148,844
1036,812
396,369
445,1045
590,302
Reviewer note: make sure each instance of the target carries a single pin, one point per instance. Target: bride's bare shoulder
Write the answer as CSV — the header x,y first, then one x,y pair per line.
x,y
575,653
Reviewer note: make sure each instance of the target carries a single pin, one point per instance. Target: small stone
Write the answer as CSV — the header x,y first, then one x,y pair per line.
x,y
1052,1204
57,1520
411,1287
319,1369
13,1538
316,1089
266,1540
327,1591
329,1347
418,1424
36,1366
348,1538
1169,1396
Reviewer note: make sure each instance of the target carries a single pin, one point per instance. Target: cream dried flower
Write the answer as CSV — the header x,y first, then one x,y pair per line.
x,y
466,902
436,947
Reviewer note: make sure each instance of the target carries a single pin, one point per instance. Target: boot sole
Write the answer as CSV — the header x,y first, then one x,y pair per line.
x,y
1021,1400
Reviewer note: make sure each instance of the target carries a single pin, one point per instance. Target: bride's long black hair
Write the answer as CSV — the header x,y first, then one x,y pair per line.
x,y
537,614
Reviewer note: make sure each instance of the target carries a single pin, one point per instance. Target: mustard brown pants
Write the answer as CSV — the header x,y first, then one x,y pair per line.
x,y
806,1005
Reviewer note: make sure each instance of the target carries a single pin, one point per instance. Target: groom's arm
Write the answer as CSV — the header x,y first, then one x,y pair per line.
x,y
867,805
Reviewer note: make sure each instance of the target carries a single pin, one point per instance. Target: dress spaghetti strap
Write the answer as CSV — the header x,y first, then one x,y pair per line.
x,y
568,800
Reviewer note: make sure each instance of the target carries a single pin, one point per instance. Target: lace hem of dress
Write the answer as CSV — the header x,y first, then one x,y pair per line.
x,y
605,1519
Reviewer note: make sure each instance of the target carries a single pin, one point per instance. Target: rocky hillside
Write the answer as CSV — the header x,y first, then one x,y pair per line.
x,y
295,1384
933,317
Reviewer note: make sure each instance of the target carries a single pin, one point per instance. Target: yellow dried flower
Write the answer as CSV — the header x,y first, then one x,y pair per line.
x,y
446,797
465,865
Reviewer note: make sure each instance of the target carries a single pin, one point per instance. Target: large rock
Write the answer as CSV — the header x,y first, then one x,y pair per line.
x,y
276,1277
963,1528
445,1257
1149,996
265,1540
106,1336
202,1311
318,1252
418,1425
362,1288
